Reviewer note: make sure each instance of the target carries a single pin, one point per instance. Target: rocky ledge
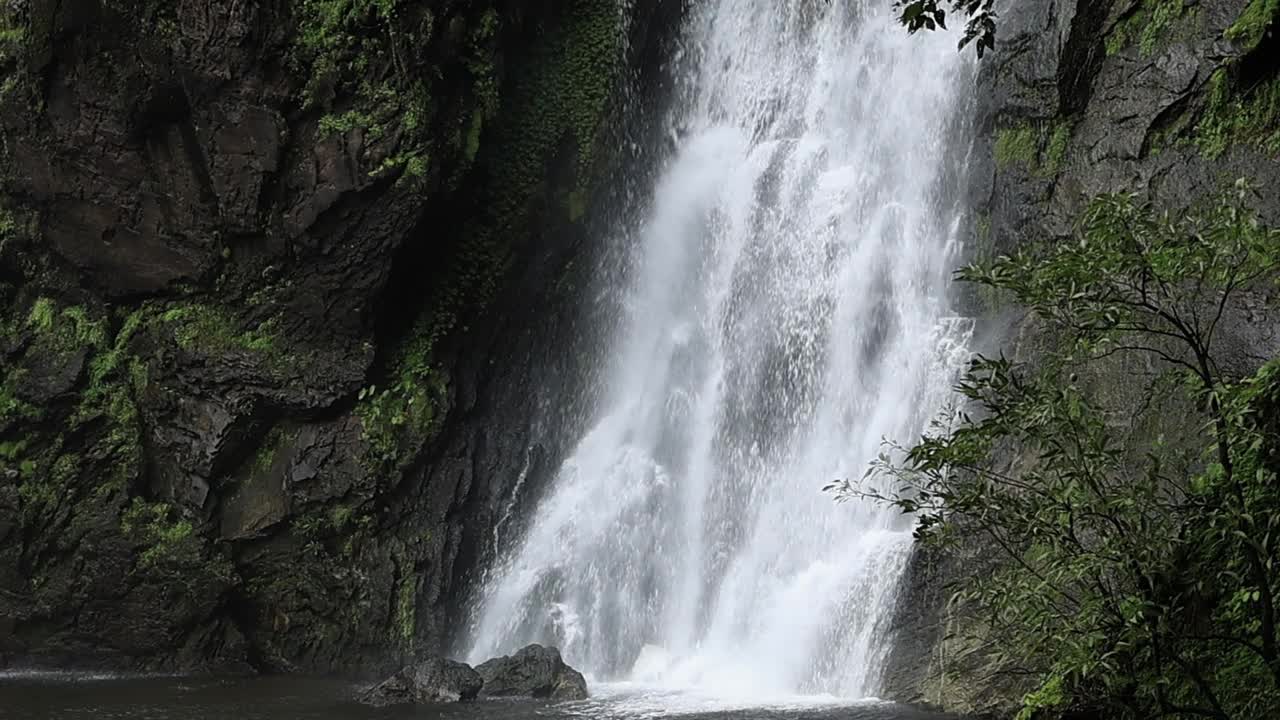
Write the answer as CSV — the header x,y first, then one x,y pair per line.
x,y
435,680
533,672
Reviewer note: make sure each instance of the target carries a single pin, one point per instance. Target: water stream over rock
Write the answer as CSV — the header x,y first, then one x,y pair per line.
x,y
786,309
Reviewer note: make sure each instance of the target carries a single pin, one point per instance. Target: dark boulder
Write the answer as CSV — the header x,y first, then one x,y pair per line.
x,y
431,681
534,671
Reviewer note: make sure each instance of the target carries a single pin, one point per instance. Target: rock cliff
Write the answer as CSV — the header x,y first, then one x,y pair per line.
x,y
276,277
1172,100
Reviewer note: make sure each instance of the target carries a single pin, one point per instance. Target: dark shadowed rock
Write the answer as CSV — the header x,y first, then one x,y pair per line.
x,y
431,681
534,671
197,277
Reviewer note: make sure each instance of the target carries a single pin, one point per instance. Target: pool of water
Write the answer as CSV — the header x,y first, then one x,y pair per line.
x,y
52,696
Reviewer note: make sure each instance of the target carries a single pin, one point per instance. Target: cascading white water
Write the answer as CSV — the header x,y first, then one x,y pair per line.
x,y
787,309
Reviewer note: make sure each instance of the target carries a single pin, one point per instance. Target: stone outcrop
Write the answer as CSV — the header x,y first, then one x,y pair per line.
x,y
1170,100
431,681
275,278
534,671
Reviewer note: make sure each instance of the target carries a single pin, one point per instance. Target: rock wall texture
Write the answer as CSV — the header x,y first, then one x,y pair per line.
x,y
1171,99
276,278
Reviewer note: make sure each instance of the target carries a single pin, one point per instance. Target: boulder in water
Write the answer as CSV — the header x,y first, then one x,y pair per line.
x,y
431,681
534,671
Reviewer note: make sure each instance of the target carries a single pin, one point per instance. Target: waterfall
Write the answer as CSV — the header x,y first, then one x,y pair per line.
x,y
786,309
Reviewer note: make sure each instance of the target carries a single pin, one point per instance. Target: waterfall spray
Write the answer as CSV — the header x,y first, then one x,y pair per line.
x,y
786,310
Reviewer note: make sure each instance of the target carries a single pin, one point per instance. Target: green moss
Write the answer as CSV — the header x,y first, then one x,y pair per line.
x,y
1038,148
1231,118
11,406
43,489
406,608
559,97
1249,28
212,330
473,135
415,167
265,458
340,516
1170,135
42,315
68,328
982,229
577,205
561,93
1016,145
1149,25
115,377
1056,152
480,64
11,450
8,223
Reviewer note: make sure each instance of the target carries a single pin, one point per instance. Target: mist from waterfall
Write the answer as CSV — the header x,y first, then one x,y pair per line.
x,y
786,308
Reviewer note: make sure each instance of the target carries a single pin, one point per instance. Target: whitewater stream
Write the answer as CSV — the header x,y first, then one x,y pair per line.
x,y
785,310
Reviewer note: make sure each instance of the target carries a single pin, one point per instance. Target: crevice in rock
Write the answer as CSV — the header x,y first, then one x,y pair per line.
x,y
1261,64
1082,56
1166,119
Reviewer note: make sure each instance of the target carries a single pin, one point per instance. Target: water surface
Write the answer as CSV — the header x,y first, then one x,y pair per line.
x,y
61,697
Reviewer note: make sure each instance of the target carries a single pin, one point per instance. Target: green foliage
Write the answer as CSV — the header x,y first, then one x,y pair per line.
x,y
1252,25
105,420
168,540
330,42
1234,118
980,26
115,377
357,52
344,122
401,417
1133,584
1049,697
13,407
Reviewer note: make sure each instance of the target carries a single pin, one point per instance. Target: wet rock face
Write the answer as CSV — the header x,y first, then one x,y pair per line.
x,y
1082,98
274,283
430,681
534,671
